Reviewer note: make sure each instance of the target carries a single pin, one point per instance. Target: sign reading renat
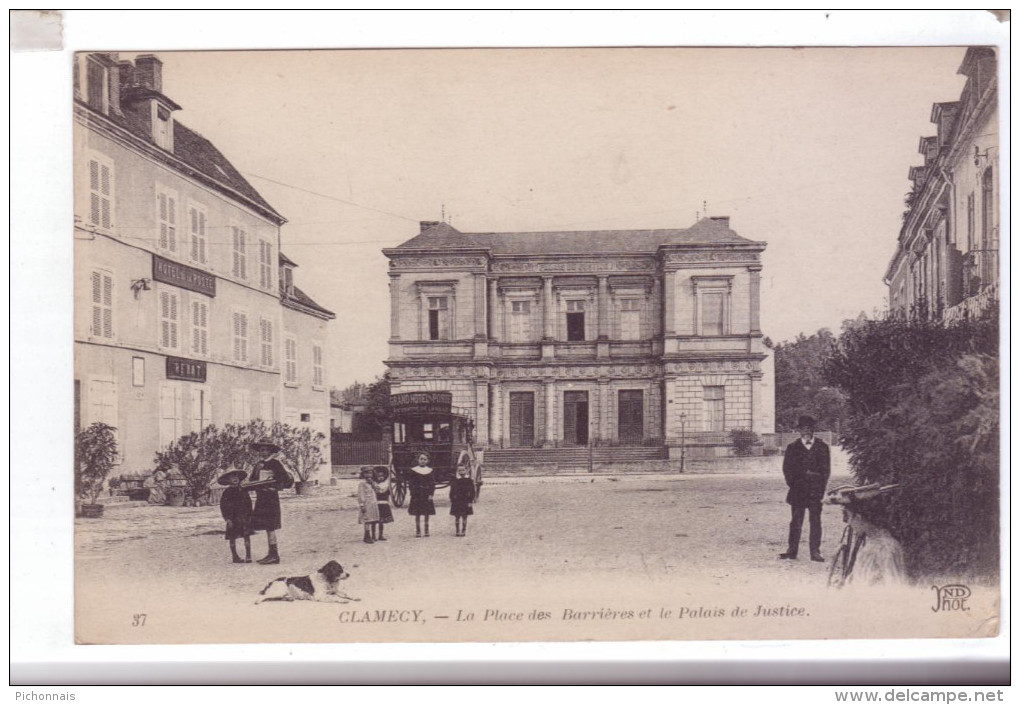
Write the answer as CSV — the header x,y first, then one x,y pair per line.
x,y
185,369
169,272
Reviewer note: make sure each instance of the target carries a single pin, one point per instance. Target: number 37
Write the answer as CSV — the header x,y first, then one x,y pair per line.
x,y
138,620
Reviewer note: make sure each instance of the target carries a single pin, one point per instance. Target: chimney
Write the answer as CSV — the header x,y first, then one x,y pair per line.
x,y
426,224
115,83
149,72
723,220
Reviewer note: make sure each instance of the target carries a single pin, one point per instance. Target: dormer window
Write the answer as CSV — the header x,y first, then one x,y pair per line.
x,y
97,88
162,127
288,279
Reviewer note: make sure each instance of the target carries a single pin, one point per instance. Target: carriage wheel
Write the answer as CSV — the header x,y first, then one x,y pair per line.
x,y
399,493
478,483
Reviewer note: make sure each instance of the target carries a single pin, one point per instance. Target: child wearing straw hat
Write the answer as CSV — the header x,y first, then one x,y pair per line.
x,y
235,506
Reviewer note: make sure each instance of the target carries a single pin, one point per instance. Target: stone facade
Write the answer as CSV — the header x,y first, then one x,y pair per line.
x,y
181,309
558,339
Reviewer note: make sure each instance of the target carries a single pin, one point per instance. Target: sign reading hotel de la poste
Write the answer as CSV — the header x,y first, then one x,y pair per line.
x,y
626,337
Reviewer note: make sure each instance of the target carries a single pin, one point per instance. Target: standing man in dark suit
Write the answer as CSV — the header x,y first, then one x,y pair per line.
x,y
806,468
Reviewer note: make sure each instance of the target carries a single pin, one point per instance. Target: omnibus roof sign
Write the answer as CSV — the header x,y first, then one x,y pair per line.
x,y
421,403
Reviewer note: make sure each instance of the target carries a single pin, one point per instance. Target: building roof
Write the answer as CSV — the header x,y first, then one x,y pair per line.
x,y
198,152
705,232
296,296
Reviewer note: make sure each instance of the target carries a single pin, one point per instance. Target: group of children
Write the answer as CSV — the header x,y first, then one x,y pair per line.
x,y
374,499
243,520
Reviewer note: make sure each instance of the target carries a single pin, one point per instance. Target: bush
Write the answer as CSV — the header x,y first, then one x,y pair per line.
x,y
744,441
198,457
201,457
924,405
95,452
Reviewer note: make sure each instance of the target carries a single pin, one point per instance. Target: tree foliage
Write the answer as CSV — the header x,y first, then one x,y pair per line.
x,y
923,402
375,419
801,387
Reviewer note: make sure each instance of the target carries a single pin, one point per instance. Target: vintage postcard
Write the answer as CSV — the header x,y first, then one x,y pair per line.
x,y
483,345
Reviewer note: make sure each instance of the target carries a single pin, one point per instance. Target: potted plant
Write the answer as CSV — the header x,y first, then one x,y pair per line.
x,y
95,452
302,449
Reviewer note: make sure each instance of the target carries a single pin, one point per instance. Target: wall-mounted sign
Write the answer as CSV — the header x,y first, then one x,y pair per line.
x,y
169,272
187,370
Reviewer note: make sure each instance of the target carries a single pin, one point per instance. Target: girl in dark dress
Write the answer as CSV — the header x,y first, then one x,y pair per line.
x,y
267,516
462,494
422,486
381,485
235,506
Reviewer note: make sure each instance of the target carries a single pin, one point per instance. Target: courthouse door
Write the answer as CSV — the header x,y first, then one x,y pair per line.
x,y
631,415
575,418
522,419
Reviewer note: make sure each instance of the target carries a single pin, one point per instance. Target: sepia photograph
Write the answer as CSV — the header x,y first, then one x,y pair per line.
x,y
536,344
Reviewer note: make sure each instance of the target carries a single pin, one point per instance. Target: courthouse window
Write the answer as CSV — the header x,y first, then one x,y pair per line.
x,y
575,320
712,313
438,318
630,319
715,408
520,320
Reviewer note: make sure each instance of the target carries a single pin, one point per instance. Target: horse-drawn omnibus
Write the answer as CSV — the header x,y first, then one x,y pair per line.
x,y
427,422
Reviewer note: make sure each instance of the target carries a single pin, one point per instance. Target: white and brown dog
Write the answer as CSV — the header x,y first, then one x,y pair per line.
x,y
321,586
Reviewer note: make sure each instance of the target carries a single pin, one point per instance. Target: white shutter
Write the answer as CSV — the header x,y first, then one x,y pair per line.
x,y
236,406
94,197
105,190
169,414
268,407
163,221
172,222
201,409
97,303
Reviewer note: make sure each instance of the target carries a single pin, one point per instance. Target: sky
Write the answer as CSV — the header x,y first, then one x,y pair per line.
x,y
806,149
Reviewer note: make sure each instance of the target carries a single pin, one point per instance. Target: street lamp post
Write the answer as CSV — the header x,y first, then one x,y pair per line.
x,y
683,440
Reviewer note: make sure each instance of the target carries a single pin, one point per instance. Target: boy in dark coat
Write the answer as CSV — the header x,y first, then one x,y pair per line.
x,y
806,467
267,516
235,506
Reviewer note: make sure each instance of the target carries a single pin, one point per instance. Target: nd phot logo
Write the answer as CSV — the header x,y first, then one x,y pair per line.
x,y
951,598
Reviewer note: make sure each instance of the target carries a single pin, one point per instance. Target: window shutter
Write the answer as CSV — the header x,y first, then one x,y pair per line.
x,y
94,206
104,189
97,303
171,228
164,221
169,409
107,306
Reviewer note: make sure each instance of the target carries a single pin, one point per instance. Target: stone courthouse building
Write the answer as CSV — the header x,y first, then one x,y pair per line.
x,y
549,339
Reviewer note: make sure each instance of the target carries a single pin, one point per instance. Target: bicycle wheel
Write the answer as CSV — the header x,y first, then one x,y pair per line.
x,y
837,575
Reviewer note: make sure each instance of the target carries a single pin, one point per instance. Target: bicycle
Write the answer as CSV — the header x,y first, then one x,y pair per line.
x,y
852,541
